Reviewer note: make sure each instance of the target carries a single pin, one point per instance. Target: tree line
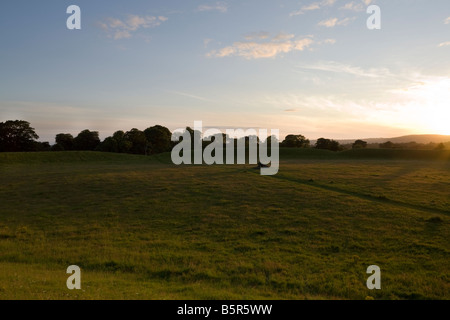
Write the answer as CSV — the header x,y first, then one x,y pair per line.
x,y
155,139
18,135
299,141
413,145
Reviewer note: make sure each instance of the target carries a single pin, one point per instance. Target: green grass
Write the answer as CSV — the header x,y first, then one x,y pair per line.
x,y
141,228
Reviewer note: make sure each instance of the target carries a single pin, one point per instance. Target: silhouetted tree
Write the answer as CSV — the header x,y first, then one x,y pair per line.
x,y
117,143
223,137
249,139
57,147
65,140
138,140
192,133
335,146
387,145
86,140
108,145
295,141
328,144
123,145
42,146
440,146
359,144
158,138
16,136
268,140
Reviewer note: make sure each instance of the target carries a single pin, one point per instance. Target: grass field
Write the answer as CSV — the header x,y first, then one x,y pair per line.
x,y
142,228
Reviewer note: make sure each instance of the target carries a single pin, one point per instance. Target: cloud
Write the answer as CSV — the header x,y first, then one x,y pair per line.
x,y
296,13
313,6
331,66
353,6
257,35
444,44
328,41
313,106
420,106
302,44
123,29
206,42
218,6
330,23
283,36
253,49
447,21
189,95
225,52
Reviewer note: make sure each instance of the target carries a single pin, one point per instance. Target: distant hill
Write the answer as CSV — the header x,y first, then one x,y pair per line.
x,y
419,138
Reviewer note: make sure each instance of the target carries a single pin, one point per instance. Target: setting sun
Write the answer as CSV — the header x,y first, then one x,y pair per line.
x,y
428,105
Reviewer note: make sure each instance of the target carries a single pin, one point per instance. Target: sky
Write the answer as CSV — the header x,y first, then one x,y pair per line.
x,y
303,67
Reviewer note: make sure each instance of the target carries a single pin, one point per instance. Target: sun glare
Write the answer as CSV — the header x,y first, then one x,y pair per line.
x,y
429,105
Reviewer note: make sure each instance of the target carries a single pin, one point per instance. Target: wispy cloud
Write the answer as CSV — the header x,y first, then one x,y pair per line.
x,y
447,21
333,22
123,29
257,35
353,6
218,6
331,66
313,106
327,41
313,6
444,44
328,2
206,42
254,49
296,13
189,95
283,36
420,105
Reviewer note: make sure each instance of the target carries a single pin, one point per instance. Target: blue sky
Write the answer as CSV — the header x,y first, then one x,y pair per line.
x,y
304,67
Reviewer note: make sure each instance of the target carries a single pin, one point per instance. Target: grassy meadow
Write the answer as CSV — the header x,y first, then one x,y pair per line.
x,y
142,228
